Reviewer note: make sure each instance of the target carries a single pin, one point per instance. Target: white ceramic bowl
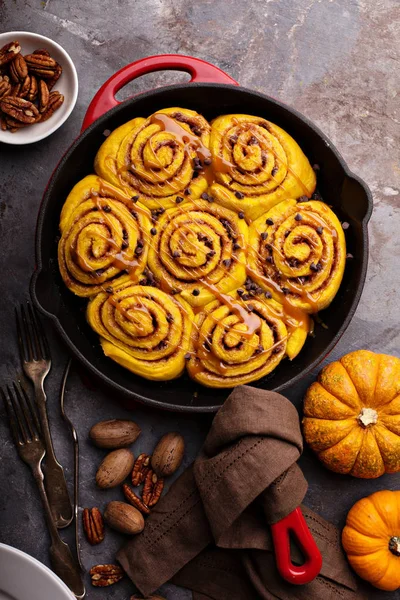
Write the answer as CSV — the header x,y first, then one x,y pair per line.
x,y
66,85
23,577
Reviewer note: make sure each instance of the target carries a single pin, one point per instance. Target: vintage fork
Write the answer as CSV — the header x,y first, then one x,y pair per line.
x,y
36,363
27,436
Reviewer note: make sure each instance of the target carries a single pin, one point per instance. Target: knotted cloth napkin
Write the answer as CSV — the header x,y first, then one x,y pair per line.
x,y
210,532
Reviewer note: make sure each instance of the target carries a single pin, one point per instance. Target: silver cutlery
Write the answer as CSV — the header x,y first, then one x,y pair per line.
x,y
36,363
26,431
76,460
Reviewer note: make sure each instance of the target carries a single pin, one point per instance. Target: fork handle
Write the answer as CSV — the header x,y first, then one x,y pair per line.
x,y
63,562
56,486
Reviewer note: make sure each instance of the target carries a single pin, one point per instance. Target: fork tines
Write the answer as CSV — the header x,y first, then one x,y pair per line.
x,y
22,415
31,337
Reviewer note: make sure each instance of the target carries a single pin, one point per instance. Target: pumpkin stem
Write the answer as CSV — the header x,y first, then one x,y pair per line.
x,y
394,545
367,416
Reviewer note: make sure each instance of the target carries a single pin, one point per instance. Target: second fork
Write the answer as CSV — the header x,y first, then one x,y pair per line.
x,y
36,363
27,437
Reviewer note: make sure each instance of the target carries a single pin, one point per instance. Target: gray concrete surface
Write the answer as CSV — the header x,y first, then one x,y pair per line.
x,y
337,61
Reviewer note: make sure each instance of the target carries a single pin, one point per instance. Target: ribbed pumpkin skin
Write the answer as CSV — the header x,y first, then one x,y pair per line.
x,y
371,523
352,415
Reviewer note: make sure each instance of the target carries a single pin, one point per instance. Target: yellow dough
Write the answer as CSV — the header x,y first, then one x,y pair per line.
x,y
152,163
199,245
143,329
259,165
104,235
300,249
227,351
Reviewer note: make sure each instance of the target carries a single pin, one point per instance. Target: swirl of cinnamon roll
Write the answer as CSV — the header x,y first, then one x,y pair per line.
x,y
156,159
236,341
256,164
143,329
198,245
104,237
298,251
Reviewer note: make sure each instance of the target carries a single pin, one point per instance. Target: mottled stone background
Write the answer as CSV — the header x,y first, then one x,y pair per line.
x,y
337,61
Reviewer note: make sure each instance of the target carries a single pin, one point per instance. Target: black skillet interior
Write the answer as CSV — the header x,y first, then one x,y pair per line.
x,y
348,196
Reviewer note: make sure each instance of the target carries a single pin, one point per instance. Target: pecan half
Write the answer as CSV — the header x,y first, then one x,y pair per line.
x,y
55,101
41,65
33,88
5,86
152,489
135,500
42,51
13,124
43,95
19,109
18,68
8,52
25,87
93,525
105,575
53,80
15,90
140,469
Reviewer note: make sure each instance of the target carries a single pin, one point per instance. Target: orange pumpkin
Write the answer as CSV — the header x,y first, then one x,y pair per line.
x,y
352,415
371,539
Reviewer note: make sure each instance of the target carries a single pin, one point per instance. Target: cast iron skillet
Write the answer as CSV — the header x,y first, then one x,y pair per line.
x,y
211,92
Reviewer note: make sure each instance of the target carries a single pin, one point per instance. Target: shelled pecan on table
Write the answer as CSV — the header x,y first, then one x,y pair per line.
x,y
93,525
135,500
105,575
152,489
140,469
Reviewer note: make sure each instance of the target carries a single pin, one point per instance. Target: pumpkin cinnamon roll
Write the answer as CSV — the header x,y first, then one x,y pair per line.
x,y
104,237
143,329
199,249
236,341
157,159
256,165
297,251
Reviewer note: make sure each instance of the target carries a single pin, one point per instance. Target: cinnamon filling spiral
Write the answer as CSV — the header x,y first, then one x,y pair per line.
x,y
198,245
298,250
257,164
155,158
102,239
143,329
227,350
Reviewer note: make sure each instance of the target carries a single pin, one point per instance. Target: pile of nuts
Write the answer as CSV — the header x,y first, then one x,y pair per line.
x,y
26,84
119,464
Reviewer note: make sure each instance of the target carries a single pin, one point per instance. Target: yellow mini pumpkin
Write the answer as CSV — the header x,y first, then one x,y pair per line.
x,y
371,539
352,415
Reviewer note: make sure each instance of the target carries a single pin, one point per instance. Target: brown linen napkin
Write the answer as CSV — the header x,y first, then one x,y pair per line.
x,y
210,531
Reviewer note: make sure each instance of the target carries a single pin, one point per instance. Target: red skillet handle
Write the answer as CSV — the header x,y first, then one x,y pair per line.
x,y
200,71
295,523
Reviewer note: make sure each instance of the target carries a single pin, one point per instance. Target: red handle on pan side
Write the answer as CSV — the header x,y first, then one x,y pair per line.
x,y
295,523
200,70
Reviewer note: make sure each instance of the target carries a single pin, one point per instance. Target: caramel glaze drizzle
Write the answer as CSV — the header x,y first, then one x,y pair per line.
x,y
270,149
293,313
120,259
126,312
293,316
203,351
202,354
300,291
250,319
